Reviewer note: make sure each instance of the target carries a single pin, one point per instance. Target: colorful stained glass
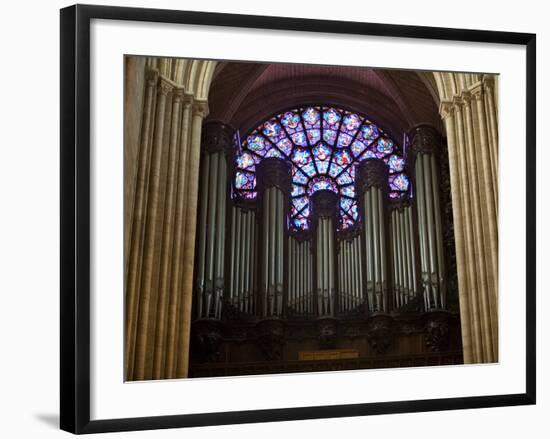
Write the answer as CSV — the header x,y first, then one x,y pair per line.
x,y
311,116
298,176
290,120
399,182
313,136
271,128
351,122
321,183
357,148
299,138
275,152
344,140
322,151
248,194
329,136
322,158
345,204
245,160
299,203
297,190
301,157
396,163
335,169
332,116
300,223
344,178
255,143
395,195
245,180
322,166
369,132
384,146
346,222
309,169
285,146
342,158
348,191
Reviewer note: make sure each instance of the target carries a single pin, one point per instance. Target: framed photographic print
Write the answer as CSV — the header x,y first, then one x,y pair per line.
x,y
302,218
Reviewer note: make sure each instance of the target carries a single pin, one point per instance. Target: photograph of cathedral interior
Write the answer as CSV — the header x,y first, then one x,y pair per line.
x,y
286,218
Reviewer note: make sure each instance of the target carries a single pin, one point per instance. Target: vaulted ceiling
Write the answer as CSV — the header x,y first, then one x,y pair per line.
x,y
244,94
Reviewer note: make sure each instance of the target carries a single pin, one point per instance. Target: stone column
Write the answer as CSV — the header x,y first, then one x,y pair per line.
x,y
372,187
474,191
200,110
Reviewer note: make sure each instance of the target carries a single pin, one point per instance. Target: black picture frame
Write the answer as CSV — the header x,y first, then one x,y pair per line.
x,y
75,217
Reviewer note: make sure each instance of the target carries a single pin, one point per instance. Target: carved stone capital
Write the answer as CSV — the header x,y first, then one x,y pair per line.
x,y
200,108
179,95
273,172
371,173
164,87
446,109
151,76
423,139
216,137
488,81
477,91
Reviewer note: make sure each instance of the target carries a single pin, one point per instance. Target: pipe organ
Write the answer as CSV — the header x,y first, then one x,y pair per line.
x,y
251,267
350,274
403,253
324,214
242,276
424,142
274,183
371,185
210,276
300,277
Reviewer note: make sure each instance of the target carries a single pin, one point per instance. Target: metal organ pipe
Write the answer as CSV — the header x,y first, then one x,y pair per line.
x,y
419,171
431,226
438,230
424,144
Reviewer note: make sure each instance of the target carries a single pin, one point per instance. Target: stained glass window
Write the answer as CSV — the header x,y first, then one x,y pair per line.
x,y
323,145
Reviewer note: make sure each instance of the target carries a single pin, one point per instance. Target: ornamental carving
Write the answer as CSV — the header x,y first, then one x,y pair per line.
x,y
380,333
216,137
328,332
271,338
206,339
324,204
399,204
372,173
423,139
273,172
437,331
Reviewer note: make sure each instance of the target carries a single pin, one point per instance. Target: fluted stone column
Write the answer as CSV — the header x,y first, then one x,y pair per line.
x,y
217,142
324,209
162,215
372,187
274,186
472,133
424,145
